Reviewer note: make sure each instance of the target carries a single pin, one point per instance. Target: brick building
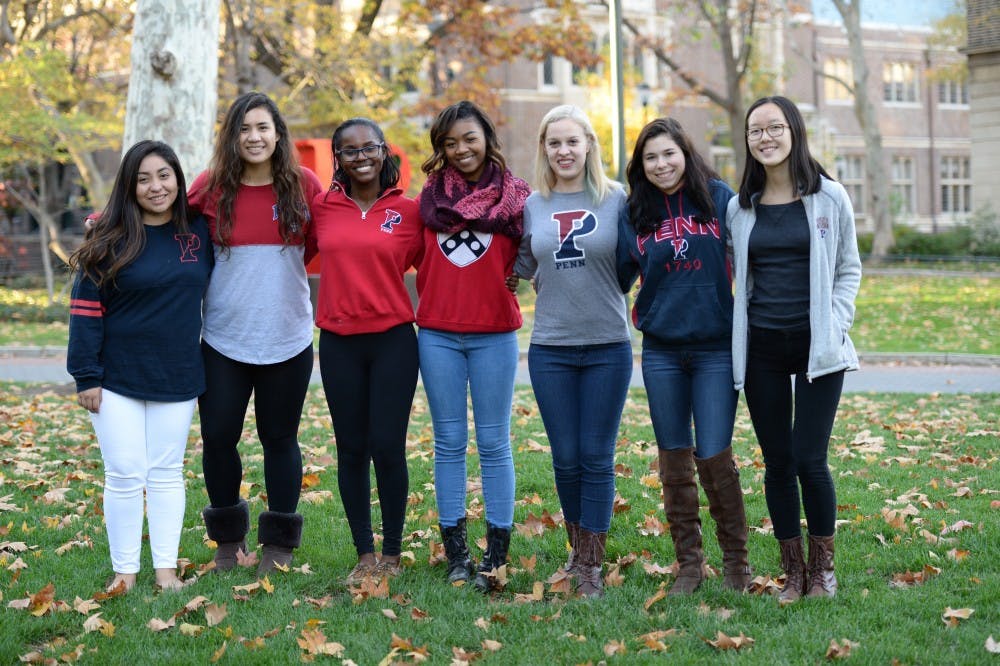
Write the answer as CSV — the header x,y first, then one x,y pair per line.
x,y
924,119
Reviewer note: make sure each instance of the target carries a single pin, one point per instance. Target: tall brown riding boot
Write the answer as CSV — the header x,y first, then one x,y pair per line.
x,y
573,534
589,561
821,581
721,480
794,566
680,502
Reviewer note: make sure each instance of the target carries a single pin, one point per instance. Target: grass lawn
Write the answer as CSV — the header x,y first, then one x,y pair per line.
x,y
919,539
896,313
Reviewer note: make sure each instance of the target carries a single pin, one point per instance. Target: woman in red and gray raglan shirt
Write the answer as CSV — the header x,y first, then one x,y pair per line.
x,y
257,335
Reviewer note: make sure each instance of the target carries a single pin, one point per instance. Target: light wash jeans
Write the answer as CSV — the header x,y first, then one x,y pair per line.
x,y
142,444
682,385
581,393
453,366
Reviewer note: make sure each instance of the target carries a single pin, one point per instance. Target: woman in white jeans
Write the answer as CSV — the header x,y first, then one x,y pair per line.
x,y
135,324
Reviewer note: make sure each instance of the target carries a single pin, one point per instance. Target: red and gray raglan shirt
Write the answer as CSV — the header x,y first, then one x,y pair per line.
x,y
257,309
138,336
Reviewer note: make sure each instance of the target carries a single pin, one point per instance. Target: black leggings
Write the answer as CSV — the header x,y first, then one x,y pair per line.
x,y
279,390
369,380
794,447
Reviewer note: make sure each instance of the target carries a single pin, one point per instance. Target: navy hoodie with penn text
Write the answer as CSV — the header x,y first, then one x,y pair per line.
x,y
685,298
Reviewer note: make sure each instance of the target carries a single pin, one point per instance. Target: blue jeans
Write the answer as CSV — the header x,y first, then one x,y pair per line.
x,y
682,384
581,393
452,366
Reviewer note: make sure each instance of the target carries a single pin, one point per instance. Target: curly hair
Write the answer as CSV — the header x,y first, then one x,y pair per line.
x,y
118,234
645,197
226,171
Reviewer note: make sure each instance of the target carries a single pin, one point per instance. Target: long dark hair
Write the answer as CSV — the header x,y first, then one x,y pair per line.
x,y
645,198
226,170
443,124
803,168
387,178
118,235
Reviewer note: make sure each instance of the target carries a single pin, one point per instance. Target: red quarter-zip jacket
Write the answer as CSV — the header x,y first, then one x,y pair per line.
x,y
363,257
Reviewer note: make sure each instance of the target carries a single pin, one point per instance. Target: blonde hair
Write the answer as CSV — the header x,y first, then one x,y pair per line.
x,y
596,182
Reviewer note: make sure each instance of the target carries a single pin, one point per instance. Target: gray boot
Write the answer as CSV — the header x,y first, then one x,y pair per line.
x,y
228,527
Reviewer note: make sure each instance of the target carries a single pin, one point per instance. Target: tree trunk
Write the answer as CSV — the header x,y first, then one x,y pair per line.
x,y
876,175
173,87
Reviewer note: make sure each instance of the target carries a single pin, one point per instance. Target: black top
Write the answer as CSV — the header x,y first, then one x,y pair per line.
x,y
140,337
779,264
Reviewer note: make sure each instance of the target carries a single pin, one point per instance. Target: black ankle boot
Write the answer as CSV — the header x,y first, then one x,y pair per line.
x,y
497,543
457,551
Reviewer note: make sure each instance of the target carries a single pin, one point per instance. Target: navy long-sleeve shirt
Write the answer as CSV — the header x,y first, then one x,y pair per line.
x,y
140,335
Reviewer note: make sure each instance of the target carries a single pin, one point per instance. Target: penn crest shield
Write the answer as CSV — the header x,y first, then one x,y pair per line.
x,y
465,246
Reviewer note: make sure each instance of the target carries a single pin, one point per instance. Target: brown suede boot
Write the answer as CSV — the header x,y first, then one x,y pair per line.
x,y
228,527
589,561
680,502
794,566
279,534
721,480
821,581
573,534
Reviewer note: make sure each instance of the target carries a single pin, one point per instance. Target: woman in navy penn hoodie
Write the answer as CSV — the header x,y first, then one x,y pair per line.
x,y
674,237
134,336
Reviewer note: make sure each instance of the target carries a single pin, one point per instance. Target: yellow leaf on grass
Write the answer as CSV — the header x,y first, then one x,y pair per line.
x,y
214,614
491,645
611,648
724,642
841,650
992,646
660,595
389,613
156,624
951,615
191,629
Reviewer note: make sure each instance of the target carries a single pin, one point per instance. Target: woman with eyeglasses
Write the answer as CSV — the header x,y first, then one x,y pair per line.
x,y
472,206
368,235
675,238
258,332
797,273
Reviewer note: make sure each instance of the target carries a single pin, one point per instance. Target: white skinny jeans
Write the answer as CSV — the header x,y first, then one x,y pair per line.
x,y
143,445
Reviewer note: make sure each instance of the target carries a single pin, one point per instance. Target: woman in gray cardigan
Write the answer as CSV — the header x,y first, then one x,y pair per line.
x,y
797,272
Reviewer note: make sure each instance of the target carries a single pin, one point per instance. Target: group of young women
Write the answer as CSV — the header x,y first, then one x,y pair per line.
x,y
787,240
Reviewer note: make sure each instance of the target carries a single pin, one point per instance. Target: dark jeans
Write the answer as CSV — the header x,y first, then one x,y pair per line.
x,y
369,380
581,393
686,386
279,389
794,439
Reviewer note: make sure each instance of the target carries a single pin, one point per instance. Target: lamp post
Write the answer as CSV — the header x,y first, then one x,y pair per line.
x,y
644,99
618,109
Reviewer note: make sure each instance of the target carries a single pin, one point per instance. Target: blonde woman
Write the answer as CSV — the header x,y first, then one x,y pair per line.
x,y
580,358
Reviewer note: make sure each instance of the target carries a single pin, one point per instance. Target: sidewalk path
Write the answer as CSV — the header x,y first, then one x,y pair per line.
x,y
907,373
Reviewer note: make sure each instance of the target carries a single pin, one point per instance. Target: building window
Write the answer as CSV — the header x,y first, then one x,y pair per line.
x,y
956,185
549,71
903,185
851,174
899,82
835,91
953,92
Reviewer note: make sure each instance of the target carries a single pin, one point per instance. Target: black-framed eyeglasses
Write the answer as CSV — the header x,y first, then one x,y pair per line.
x,y
773,131
351,154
